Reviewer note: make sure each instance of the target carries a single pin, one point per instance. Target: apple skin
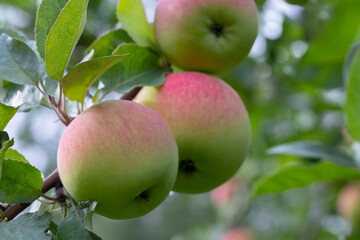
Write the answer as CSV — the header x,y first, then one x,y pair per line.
x,y
210,124
238,234
348,203
223,194
205,35
122,155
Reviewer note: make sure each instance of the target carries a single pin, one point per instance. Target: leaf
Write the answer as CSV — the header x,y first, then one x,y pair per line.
x,y
29,5
42,70
12,34
29,97
73,227
307,149
29,226
295,176
328,48
63,37
18,62
9,91
105,44
83,75
12,154
46,16
352,104
132,16
4,137
53,228
6,113
57,215
4,147
141,67
20,182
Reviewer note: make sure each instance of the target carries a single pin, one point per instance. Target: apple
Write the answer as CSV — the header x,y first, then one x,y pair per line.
x,y
122,155
209,35
223,194
348,202
238,234
210,124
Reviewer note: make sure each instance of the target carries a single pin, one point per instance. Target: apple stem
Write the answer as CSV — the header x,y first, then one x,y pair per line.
x,y
217,29
166,64
187,166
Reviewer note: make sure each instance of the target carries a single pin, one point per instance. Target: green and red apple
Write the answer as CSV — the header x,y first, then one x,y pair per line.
x,y
210,124
122,155
208,35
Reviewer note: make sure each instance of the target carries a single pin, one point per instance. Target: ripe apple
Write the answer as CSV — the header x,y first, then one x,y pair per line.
x,y
122,155
209,35
223,194
210,124
238,234
348,203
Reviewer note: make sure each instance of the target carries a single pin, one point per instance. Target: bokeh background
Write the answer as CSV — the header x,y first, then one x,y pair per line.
x,y
293,86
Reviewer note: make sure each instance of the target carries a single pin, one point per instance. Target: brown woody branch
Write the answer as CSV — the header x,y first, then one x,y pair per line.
x,y
131,95
53,179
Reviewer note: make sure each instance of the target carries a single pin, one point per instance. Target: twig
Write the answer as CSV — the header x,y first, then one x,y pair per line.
x,y
52,103
132,94
2,207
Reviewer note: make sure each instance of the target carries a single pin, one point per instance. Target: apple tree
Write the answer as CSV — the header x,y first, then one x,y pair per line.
x,y
212,119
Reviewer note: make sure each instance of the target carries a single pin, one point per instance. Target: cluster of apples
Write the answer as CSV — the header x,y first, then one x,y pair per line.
x,y
190,135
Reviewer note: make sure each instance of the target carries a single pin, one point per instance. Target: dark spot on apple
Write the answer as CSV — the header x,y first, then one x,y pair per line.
x,y
187,166
217,29
145,195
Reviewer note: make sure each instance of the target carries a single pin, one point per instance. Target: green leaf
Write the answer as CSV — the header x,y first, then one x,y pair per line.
x,y
4,137
82,76
12,154
12,34
57,215
28,5
9,90
352,104
46,16
105,44
6,113
329,48
73,226
29,98
307,149
18,62
298,175
42,70
53,228
4,147
132,16
29,226
141,67
20,182
63,37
